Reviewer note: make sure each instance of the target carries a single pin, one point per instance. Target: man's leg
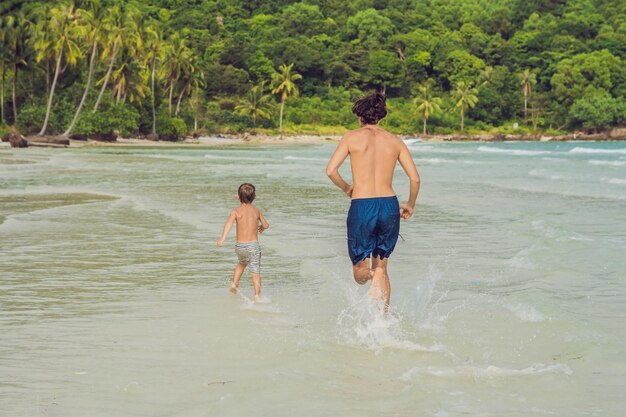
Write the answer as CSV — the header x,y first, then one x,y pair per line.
x,y
381,288
362,271
236,277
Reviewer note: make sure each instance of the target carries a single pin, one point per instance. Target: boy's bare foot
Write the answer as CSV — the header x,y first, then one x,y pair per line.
x,y
257,298
233,289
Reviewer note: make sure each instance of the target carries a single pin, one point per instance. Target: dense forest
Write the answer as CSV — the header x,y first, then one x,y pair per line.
x,y
172,67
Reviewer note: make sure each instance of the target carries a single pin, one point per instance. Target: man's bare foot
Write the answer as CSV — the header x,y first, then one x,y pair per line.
x,y
257,298
233,289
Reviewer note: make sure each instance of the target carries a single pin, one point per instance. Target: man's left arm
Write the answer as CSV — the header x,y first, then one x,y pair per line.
x,y
332,170
406,161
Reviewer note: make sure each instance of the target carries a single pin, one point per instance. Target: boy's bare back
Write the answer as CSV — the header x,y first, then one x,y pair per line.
x,y
248,218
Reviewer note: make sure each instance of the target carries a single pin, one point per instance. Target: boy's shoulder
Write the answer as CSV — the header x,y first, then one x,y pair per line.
x,y
247,208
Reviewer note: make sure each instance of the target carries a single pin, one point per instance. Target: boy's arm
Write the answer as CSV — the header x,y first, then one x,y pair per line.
x,y
406,161
332,170
227,227
264,224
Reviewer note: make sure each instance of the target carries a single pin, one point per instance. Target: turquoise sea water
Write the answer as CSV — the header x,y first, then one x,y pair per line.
x,y
508,290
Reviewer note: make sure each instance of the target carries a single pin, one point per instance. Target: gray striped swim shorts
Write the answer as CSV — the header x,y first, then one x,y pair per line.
x,y
249,254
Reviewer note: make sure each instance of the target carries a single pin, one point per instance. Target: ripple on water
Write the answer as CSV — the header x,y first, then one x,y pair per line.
x,y
25,203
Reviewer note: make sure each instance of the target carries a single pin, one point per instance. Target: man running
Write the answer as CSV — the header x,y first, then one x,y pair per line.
x,y
374,217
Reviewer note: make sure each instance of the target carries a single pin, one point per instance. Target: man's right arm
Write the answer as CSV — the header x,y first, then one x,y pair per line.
x,y
332,170
406,161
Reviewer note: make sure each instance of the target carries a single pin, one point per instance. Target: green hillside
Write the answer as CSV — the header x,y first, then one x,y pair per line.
x,y
174,67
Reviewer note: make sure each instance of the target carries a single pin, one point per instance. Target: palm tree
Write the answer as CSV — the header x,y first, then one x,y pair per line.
x,y
88,26
257,104
196,102
189,82
5,23
527,80
128,79
465,95
8,25
487,76
19,39
57,34
42,43
283,83
178,62
154,46
425,103
120,26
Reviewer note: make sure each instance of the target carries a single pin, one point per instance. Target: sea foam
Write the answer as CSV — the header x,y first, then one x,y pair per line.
x,y
486,372
614,181
598,151
516,152
608,163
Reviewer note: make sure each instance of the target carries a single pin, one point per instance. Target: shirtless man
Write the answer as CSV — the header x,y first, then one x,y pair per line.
x,y
374,217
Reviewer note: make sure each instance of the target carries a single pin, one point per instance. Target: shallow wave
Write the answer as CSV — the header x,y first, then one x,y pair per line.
x,y
302,158
598,151
543,174
609,163
517,152
449,161
491,371
410,142
614,181
525,313
237,158
557,191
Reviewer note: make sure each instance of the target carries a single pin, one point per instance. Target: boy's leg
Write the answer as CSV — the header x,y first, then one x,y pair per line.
x,y
236,277
381,288
256,282
362,271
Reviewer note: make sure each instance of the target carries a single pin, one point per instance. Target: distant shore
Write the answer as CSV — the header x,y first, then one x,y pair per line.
x,y
616,134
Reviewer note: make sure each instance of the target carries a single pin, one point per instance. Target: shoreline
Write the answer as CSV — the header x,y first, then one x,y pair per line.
x,y
616,134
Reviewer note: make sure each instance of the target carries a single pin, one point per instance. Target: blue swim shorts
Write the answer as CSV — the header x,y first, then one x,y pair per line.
x,y
373,227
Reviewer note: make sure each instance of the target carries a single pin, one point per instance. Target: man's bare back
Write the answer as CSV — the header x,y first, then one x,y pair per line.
x,y
374,153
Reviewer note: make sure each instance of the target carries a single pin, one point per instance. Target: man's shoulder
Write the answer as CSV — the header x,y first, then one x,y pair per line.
x,y
363,132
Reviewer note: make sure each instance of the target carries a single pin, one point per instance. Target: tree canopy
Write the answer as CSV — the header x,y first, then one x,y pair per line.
x,y
81,66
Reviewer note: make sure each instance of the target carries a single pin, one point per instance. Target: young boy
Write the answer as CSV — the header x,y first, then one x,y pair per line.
x,y
250,222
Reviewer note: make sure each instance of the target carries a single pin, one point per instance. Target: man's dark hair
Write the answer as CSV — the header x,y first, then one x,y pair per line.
x,y
247,193
371,109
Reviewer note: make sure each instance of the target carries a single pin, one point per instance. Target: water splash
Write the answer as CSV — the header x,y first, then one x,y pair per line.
x,y
364,323
262,305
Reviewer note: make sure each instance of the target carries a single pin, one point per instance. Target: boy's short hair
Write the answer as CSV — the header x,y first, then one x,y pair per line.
x,y
371,109
247,193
